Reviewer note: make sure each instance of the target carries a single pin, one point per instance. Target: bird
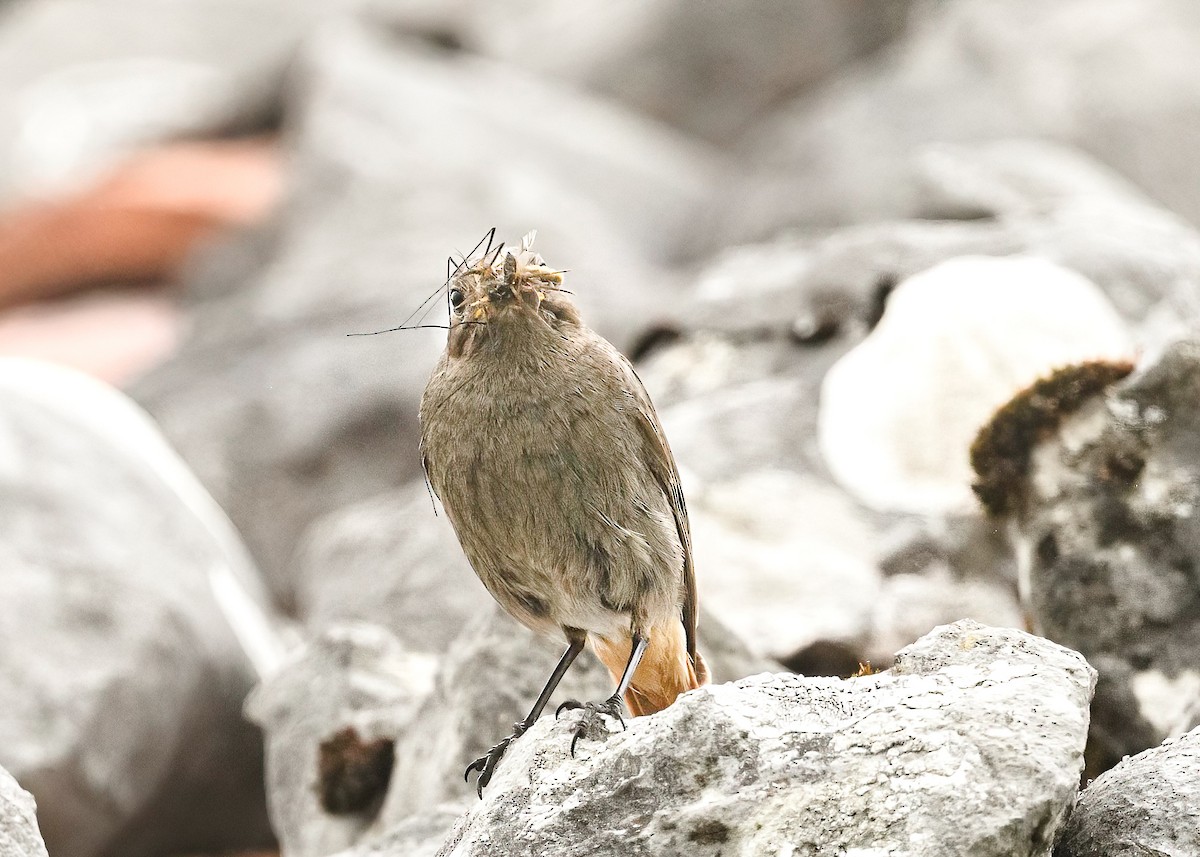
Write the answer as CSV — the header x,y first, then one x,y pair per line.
x,y
548,457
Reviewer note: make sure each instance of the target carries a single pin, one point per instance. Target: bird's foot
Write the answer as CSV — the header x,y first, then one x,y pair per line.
x,y
486,764
592,712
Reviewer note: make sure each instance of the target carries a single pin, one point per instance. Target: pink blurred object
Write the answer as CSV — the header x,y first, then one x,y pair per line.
x,y
136,226
114,336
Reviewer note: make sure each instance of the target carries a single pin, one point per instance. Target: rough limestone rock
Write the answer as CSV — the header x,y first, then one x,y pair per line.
x,y
1148,804
1102,506
19,835
899,411
281,415
1116,78
394,561
971,745
350,676
132,628
421,835
488,680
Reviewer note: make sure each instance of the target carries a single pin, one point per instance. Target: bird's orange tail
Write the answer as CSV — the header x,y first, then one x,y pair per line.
x,y
665,671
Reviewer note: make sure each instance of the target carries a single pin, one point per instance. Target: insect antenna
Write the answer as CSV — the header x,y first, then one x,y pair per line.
x,y
490,236
426,305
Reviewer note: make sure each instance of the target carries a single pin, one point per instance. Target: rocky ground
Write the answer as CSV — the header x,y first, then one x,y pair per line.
x,y
914,287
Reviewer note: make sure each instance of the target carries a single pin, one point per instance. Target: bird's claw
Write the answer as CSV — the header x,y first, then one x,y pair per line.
x,y
486,765
477,765
610,707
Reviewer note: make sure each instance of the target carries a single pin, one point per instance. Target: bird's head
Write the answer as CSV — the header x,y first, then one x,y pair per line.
x,y
501,294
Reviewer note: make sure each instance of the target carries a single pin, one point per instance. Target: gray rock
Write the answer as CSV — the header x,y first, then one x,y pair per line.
x,y
709,68
737,391
392,560
908,605
937,570
784,560
785,312
131,74
971,745
1148,804
1107,537
490,677
998,199
133,627
610,169
419,836
767,422
401,156
350,676
1117,80
488,680
972,547
19,835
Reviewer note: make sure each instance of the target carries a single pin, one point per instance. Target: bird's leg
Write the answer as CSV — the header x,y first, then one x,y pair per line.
x,y
486,765
612,705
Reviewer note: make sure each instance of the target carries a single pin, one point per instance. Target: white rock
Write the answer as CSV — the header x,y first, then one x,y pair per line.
x,y
133,625
353,675
1167,702
19,835
899,412
1148,804
971,745
784,560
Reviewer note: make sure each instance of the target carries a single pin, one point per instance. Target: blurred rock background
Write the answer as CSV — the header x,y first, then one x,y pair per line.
x,y
836,236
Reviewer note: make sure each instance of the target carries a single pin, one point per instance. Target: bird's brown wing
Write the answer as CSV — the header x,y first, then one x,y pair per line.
x,y
661,462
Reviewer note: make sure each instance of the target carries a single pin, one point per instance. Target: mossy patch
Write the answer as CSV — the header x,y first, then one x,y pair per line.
x,y
1001,452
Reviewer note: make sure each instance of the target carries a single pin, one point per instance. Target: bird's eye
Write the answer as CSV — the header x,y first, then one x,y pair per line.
x,y
457,298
